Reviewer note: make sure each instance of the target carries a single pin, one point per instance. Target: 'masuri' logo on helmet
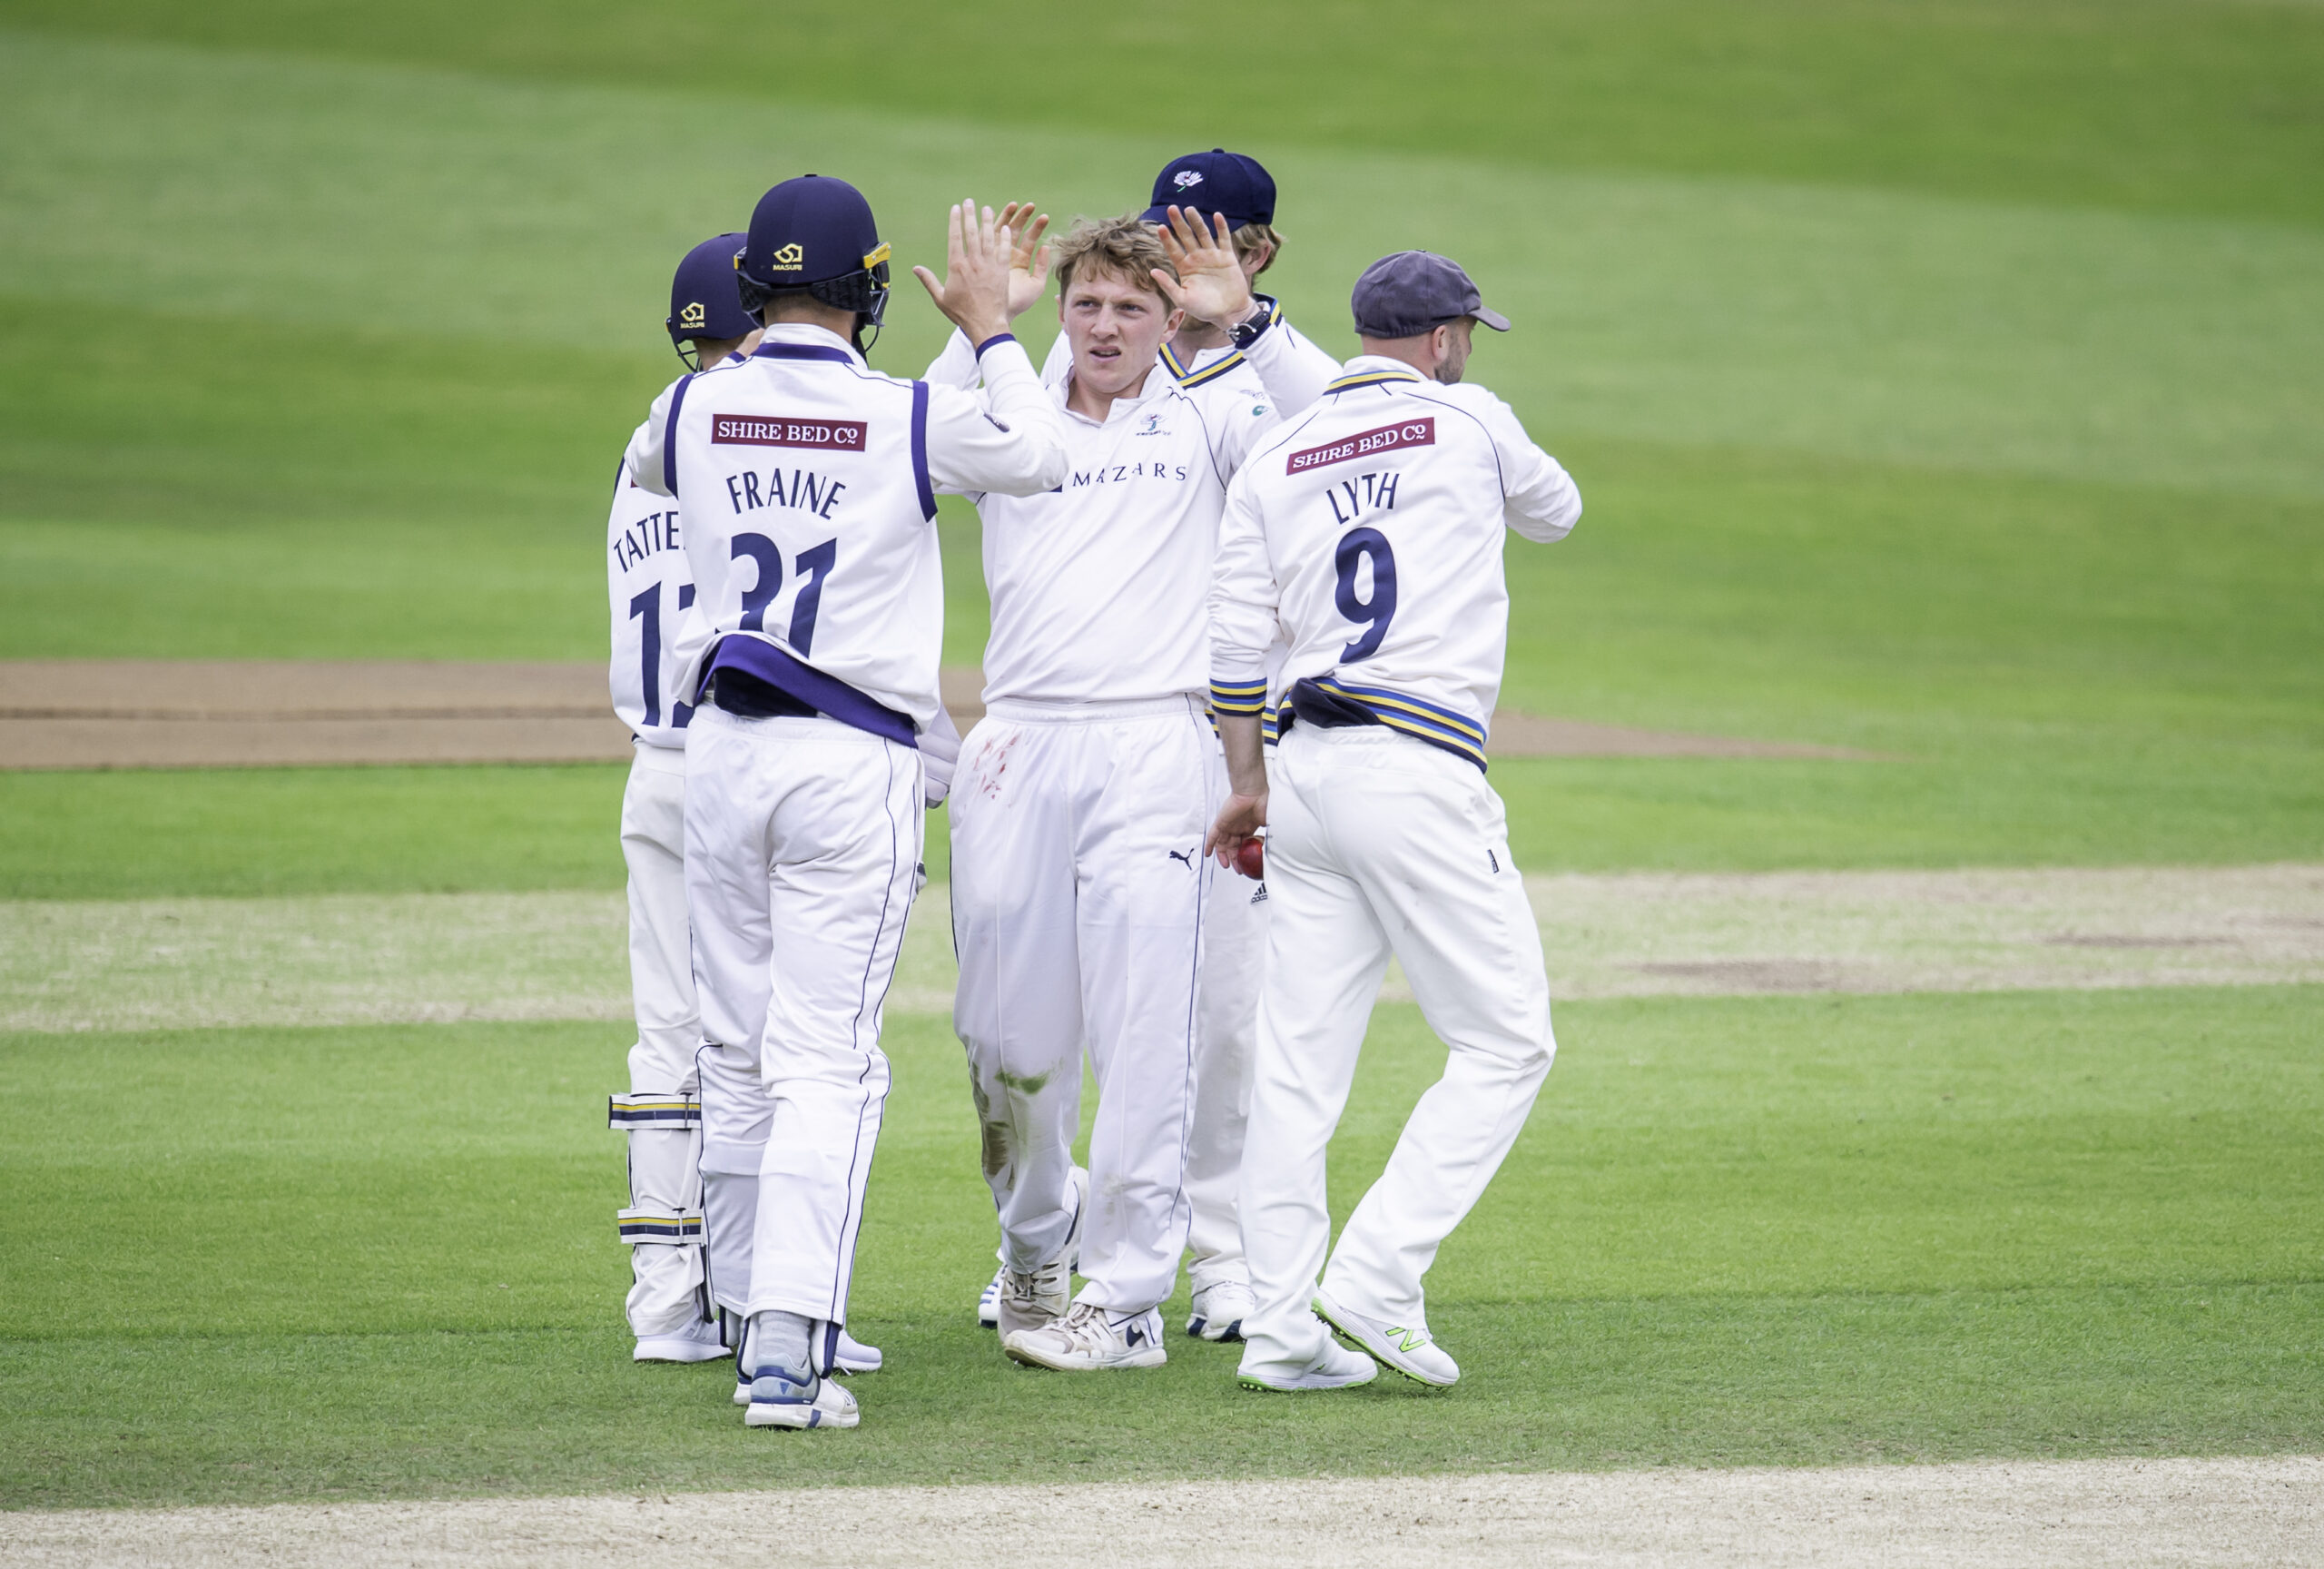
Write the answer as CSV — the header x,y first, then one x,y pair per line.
x,y
790,258
693,315
1187,178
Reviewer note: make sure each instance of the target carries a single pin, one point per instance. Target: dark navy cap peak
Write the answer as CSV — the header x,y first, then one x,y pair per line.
x,y
704,299
1217,181
1413,292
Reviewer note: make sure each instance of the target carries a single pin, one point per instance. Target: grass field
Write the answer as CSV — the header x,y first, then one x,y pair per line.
x,y
1943,381
2027,496
1778,1232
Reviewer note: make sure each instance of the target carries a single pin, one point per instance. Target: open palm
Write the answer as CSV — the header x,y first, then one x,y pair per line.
x,y
1210,285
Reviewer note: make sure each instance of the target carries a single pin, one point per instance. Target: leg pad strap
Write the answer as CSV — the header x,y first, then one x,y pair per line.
x,y
651,1108
681,1228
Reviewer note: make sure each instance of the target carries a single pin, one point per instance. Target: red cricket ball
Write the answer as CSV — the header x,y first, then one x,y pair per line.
x,y
1250,859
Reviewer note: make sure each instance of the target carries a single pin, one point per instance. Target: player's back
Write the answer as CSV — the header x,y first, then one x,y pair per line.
x,y
809,516
649,589
1379,512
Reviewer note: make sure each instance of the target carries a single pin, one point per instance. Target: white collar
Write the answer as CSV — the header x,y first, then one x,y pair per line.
x,y
1159,383
1374,364
806,334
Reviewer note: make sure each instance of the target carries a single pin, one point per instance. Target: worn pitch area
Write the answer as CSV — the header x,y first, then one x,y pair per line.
x,y
436,957
1996,1514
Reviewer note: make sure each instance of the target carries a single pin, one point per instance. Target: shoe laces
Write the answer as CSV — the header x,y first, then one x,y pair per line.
x,y
1085,1327
1030,1287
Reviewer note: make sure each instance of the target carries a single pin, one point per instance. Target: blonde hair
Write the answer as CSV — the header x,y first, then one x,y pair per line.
x,y
1251,236
1124,248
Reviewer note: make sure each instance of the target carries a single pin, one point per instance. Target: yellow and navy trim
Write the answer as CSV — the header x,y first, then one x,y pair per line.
x,y
1271,726
1372,378
644,1108
681,1228
1242,699
1439,726
1188,375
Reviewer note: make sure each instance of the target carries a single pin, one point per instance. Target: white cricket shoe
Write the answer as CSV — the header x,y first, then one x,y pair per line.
x,y
774,1398
1218,1311
989,1299
854,1357
1091,1339
1409,1349
1336,1367
697,1342
777,1402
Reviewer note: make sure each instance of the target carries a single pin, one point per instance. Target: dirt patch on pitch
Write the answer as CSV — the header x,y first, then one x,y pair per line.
x,y
234,713
2035,929
1991,1514
228,713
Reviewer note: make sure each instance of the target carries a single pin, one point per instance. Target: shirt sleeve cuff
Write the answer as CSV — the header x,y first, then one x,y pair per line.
x,y
997,338
1246,698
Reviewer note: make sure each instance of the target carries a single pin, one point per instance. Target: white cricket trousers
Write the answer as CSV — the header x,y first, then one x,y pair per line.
x,y
664,1178
1234,954
1380,843
1078,889
803,838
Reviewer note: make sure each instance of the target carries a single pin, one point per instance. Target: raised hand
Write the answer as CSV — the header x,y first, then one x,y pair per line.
x,y
1029,262
974,295
1210,285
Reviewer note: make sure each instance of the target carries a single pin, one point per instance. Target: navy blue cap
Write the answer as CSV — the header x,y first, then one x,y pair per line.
x,y
1413,292
1215,181
704,300
811,230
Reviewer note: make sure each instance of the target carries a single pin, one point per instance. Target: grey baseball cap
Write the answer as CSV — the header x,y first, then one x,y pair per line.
x,y
1407,294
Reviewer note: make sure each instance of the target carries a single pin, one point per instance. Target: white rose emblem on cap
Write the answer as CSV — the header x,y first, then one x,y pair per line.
x,y
1188,178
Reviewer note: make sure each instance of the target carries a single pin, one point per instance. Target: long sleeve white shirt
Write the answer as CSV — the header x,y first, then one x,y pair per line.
x,y
1098,587
806,483
1370,529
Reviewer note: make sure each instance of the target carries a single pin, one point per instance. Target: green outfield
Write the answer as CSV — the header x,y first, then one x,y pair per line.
x,y
1943,384
280,1264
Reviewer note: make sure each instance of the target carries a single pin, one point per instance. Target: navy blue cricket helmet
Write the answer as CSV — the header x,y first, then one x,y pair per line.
x,y
705,302
817,234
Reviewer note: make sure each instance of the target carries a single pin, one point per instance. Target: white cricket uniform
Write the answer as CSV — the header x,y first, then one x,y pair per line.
x,y
650,592
1371,529
1234,921
809,482
1079,883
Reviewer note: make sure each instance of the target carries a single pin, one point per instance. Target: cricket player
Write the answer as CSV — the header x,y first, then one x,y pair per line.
x,y
651,591
1370,528
1237,188
1078,881
670,1306
808,485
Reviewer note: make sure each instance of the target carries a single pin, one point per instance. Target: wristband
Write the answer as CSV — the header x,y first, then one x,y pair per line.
x,y
1249,332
